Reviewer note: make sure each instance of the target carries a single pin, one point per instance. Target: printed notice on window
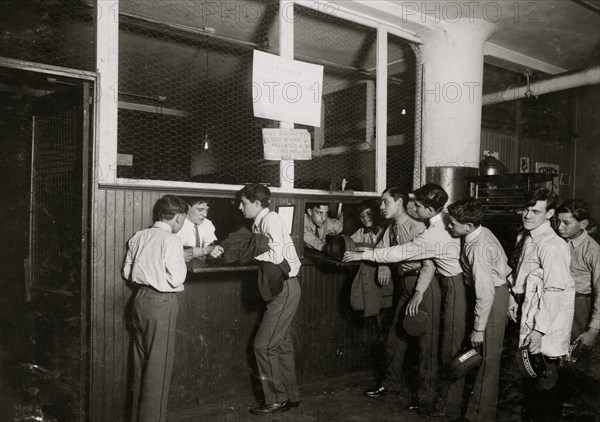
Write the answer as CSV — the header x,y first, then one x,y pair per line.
x,y
286,90
286,144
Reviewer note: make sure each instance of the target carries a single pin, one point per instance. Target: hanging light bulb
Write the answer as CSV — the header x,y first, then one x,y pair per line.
x,y
206,145
528,91
206,149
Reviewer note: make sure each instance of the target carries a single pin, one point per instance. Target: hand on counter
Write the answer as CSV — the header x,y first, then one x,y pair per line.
x,y
188,253
352,256
217,251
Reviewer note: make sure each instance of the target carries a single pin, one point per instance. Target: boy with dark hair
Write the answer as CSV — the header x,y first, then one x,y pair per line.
x,y
318,225
485,266
273,344
544,280
370,230
417,292
573,219
198,232
437,244
155,264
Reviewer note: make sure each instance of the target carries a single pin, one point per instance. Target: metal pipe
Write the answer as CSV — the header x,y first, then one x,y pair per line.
x,y
590,76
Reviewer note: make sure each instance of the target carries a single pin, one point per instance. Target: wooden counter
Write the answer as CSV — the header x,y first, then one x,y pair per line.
x,y
311,257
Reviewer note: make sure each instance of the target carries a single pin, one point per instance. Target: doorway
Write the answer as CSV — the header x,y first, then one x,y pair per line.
x,y
44,213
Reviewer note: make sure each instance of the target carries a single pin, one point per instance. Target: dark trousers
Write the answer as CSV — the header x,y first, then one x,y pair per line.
x,y
484,397
398,341
274,348
542,397
454,323
154,320
583,310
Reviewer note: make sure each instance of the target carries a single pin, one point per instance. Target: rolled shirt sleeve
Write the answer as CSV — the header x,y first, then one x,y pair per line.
x,y
555,262
425,275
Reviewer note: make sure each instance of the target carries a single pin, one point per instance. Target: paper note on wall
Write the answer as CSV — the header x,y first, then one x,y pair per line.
x,y
286,144
286,90
550,169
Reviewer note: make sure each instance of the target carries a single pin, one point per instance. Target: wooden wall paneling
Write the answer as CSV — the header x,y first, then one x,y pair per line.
x,y
121,294
548,151
138,209
506,146
111,309
97,311
218,318
127,212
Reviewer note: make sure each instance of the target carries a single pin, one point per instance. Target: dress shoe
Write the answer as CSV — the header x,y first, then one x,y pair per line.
x,y
376,392
267,409
430,412
414,406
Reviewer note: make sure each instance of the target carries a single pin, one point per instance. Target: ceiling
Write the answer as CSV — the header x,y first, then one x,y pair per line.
x,y
564,34
547,36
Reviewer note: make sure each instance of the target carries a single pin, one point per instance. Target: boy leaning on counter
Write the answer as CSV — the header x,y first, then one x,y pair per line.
x,y
437,244
280,265
155,264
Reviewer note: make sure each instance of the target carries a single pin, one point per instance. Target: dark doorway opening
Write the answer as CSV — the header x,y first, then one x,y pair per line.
x,y
44,217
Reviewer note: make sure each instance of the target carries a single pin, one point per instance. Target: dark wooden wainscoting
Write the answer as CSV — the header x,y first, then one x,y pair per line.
x,y
218,317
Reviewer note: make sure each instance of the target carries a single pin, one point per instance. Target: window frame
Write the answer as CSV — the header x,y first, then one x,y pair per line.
x,y
106,135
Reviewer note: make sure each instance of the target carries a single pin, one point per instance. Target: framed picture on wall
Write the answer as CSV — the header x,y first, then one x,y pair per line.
x,y
524,165
565,179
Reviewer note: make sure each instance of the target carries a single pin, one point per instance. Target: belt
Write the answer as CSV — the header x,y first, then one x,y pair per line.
x,y
410,273
582,294
149,287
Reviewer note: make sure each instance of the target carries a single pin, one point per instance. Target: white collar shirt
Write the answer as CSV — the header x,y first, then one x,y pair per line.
x,y
281,245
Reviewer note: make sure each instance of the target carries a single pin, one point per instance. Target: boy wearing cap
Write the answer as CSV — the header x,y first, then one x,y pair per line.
x,y
544,279
485,266
437,244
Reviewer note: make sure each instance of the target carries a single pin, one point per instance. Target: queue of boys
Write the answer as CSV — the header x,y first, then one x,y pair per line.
x,y
446,265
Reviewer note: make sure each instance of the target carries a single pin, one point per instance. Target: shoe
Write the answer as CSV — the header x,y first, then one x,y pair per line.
x,y
413,406
294,403
430,412
376,392
267,409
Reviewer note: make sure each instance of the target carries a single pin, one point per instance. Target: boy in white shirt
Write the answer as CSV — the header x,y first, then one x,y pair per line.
x,y
198,232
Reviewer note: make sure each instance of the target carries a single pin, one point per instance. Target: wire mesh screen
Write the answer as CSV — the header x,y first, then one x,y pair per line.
x,y
58,32
55,202
403,112
185,92
344,145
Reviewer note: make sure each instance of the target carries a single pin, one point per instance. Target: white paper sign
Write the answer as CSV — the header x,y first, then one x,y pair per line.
x,y
286,144
550,169
286,90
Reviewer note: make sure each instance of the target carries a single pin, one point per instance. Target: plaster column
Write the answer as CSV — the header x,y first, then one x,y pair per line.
x,y
452,55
